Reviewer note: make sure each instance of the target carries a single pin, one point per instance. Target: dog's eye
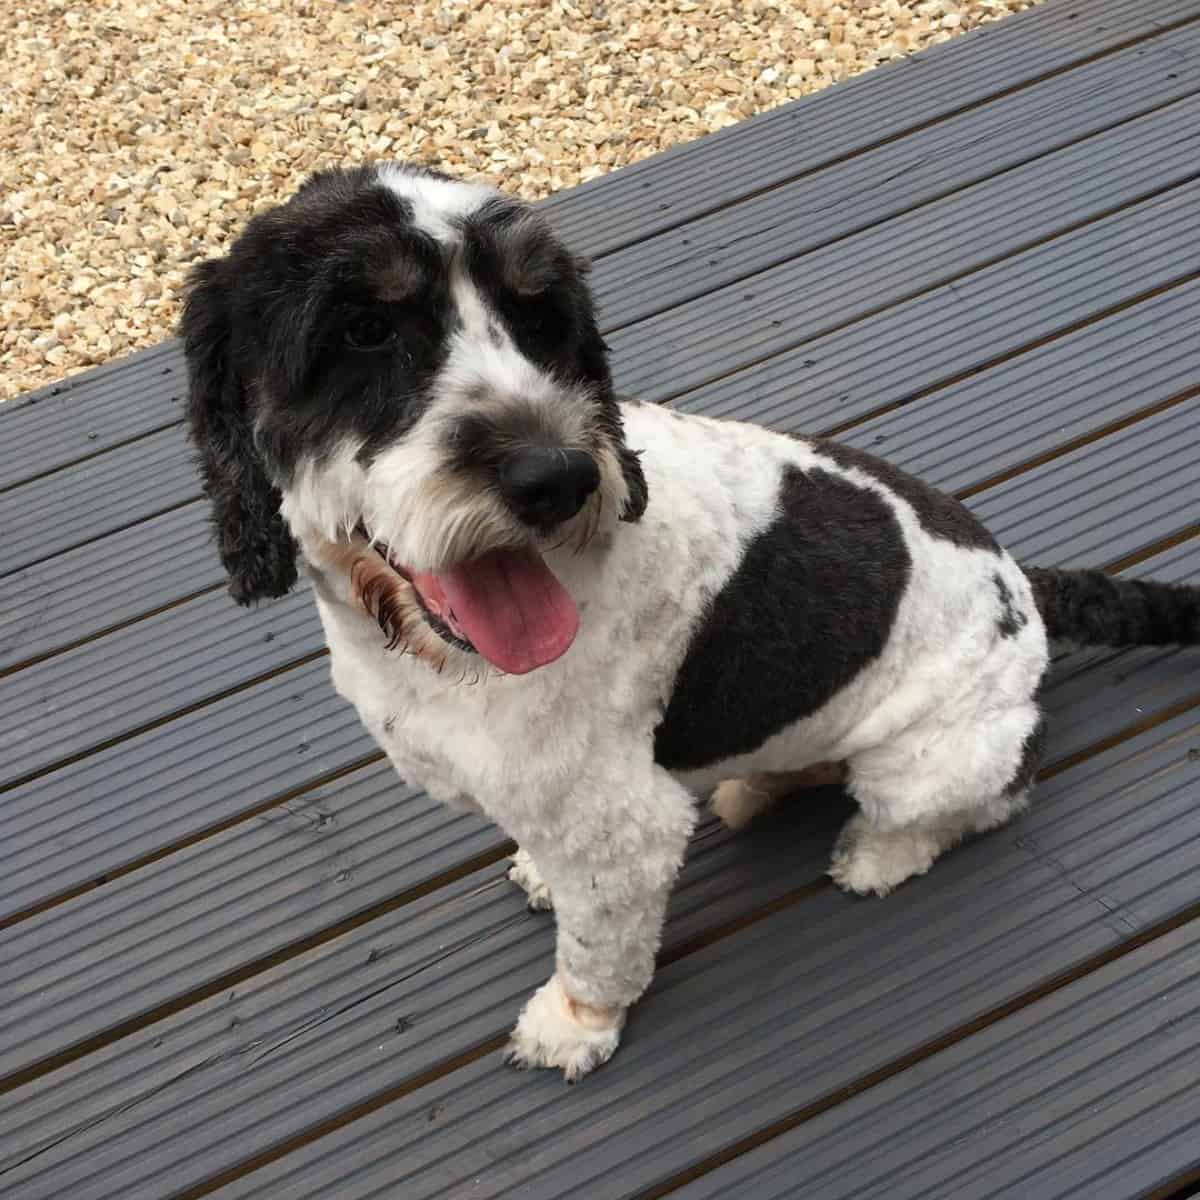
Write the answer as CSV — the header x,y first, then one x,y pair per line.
x,y
532,312
369,331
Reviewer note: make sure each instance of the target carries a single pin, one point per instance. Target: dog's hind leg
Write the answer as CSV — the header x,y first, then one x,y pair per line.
x,y
924,795
869,860
738,801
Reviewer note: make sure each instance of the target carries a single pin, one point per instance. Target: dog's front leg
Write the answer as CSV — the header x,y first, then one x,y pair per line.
x,y
609,861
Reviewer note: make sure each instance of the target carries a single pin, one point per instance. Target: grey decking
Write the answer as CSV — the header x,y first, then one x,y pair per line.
x,y
238,957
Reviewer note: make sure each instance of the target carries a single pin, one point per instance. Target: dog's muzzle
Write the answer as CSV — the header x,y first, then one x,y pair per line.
x,y
544,486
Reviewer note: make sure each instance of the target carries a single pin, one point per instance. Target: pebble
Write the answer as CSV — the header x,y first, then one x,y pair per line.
x,y
137,136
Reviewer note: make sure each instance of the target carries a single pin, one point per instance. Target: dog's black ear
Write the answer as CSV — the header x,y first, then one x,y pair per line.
x,y
255,545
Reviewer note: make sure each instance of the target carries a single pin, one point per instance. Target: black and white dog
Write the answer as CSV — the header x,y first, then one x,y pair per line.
x,y
575,612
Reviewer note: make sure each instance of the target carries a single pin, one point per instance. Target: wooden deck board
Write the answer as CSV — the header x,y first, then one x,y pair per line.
x,y
1090,1091
936,331
242,959
1100,113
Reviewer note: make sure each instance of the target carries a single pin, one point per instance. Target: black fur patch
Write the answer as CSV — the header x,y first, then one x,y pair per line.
x,y
1012,619
552,323
1095,609
255,546
811,605
940,515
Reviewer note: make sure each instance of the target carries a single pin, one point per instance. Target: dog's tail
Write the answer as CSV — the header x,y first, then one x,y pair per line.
x,y
1095,609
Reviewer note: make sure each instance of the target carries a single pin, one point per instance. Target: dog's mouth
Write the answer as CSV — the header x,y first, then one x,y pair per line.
x,y
506,605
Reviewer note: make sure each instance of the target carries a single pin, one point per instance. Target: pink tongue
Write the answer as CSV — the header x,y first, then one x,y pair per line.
x,y
510,606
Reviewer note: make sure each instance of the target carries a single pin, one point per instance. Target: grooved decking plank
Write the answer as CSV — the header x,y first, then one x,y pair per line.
x,y
754,350
60,511
421,981
89,820
1089,1092
147,672
1011,414
93,411
1103,501
105,582
235,898
875,188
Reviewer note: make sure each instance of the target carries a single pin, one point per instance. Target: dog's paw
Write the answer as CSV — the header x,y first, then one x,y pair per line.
x,y
737,803
869,861
554,1032
525,875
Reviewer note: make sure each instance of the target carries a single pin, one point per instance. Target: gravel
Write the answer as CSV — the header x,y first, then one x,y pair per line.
x,y
136,136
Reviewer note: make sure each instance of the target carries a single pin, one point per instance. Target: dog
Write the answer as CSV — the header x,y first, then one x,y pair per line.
x,y
576,612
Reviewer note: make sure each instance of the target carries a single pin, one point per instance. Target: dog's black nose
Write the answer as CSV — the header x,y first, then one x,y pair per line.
x,y
544,486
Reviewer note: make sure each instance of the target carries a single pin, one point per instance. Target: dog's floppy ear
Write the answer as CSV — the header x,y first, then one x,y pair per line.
x,y
255,545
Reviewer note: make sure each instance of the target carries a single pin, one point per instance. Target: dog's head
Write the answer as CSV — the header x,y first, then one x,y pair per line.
x,y
402,373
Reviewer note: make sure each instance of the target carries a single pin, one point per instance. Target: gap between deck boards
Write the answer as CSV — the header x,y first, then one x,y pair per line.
x,y
1077,443
1182,1187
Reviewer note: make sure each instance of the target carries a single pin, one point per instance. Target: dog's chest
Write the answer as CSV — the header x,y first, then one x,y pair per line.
x,y
452,735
